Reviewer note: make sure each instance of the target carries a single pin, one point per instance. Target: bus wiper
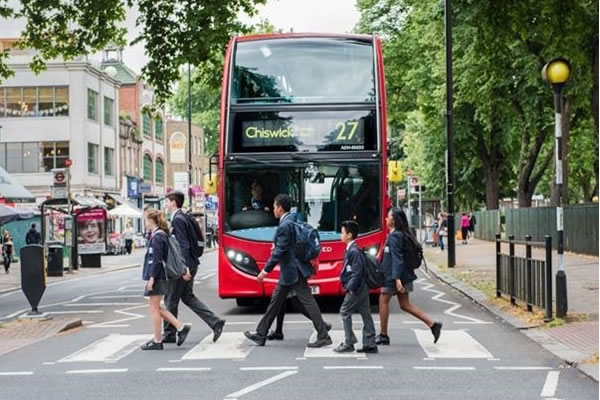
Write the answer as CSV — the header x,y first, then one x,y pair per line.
x,y
251,159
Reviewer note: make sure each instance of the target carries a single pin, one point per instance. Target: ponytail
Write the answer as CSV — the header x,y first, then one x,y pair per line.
x,y
159,219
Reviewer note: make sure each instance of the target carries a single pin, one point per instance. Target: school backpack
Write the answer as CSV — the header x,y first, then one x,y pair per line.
x,y
374,276
195,234
308,242
174,263
413,252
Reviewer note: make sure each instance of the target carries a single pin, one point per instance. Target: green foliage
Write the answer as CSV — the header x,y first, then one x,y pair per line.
x,y
503,111
174,33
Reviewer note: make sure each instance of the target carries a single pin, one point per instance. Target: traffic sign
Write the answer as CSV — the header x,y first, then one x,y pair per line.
x,y
414,181
68,162
59,192
60,178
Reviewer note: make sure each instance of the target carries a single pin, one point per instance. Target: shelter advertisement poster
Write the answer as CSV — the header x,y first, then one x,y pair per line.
x,y
91,232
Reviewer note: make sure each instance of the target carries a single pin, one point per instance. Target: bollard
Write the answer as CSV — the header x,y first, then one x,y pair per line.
x,y
528,273
511,269
498,271
548,316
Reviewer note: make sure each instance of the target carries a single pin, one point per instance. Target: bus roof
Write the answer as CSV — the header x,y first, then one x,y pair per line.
x,y
268,36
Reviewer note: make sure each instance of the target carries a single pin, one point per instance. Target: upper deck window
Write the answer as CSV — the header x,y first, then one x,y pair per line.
x,y
303,70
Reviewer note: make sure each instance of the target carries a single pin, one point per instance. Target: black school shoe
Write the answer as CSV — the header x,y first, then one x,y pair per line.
x,y
368,349
382,339
256,338
344,348
218,329
274,335
436,330
320,343
169,339
152,345
181,335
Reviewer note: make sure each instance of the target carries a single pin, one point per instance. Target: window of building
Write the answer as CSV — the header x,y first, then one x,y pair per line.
x,y
13,102
92,158
92,105
20,157
31,157
43,101
147,124
109,161
160,170
108,111
147,168
158,130
29,103
54,155
61,101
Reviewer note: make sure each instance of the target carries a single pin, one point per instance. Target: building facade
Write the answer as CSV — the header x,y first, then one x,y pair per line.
x,y
69,111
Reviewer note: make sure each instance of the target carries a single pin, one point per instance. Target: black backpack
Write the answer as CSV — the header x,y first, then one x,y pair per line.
x,y
195,234
374,276
174,262
413,252
308,242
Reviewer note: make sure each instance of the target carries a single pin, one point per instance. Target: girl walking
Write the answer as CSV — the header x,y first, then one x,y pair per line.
x,y
399,277
156,286
465,224
7,250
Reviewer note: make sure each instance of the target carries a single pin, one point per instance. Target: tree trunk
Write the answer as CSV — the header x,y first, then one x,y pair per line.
x,y
492,187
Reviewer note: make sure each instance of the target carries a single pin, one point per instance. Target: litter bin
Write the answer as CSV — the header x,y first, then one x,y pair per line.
x,y
55,260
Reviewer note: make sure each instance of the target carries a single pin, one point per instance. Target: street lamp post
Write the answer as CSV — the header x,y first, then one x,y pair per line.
x,y
557,73
189,118
450,135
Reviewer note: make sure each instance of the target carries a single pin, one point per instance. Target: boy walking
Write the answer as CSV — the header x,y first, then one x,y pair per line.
x,y
357,294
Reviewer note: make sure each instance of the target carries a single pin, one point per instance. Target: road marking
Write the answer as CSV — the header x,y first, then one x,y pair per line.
x,y
16,373
429,359
550,385
447,368
337,336
300,358
97,371
119,296
49,363
174,361
354,367
101,304
493,359
455,306
522,368
182,369
452,344
205,277
110,348
260,384
76,312
268,368
230,345
117,323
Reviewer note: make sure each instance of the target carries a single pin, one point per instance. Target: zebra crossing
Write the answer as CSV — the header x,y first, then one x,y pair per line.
x,y
453,344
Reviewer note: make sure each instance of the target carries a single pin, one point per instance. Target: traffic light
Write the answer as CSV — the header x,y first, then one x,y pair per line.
x,y
394,171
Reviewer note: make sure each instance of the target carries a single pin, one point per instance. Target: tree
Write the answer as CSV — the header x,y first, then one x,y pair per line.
x,y
174,32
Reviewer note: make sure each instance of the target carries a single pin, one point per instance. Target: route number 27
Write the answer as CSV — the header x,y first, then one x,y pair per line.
x,y
347,130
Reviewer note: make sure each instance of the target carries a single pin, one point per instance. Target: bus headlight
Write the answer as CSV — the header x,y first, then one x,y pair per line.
x,y
373,250
242,262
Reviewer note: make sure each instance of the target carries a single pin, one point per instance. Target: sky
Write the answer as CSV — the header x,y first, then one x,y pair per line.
x,y
326,16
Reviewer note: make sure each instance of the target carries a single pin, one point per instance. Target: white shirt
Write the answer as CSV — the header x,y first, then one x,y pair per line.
x,y
350,244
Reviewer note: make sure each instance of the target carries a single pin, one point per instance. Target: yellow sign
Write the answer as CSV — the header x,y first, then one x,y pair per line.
x,y
394,171
210,184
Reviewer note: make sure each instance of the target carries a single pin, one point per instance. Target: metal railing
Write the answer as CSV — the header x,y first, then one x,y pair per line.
x,y
525,278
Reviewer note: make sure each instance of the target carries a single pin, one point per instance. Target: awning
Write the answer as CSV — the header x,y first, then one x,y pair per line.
x,y
12,191
9,214
80,201
126,211
121,200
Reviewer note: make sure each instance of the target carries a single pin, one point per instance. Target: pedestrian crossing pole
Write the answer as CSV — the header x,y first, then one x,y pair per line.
x,y
450,135
557,72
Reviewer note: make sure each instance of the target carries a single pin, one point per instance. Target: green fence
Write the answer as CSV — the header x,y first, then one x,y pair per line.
x,y
580,225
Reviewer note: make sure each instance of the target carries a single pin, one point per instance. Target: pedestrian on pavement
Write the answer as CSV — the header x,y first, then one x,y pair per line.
x,y
128,236
357,294
442,229
399,277
472,223
293,275
156,286
182,289
465,224
33,236
7,250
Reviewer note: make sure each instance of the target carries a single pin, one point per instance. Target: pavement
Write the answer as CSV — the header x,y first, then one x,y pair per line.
x,y
574,340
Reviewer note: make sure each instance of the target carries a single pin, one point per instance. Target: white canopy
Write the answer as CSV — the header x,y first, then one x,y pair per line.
x,y
125,210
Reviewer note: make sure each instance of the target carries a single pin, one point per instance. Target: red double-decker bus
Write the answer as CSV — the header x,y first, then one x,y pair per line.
x,y
302,114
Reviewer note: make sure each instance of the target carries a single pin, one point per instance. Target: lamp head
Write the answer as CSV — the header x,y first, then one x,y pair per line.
x,y
557,71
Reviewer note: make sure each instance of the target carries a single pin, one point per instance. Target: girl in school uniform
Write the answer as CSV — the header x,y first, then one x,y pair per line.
x,y
156,281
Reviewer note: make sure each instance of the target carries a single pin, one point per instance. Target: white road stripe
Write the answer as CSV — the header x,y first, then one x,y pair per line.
x,y
550,385
76,312
100,304
181,369
119,296
337,336
268,368
447,368
97,371
260,384
354,367
117,323
522,368
231,345
16,373
110,348
452,344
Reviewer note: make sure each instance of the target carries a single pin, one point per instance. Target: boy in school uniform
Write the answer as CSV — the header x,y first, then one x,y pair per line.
x,y
357,294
